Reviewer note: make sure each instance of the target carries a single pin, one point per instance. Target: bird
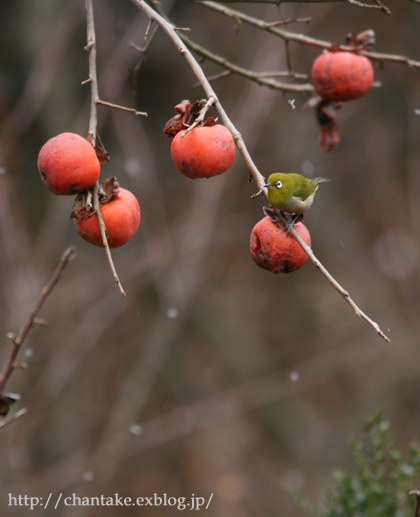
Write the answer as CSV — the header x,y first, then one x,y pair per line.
x,y
292,193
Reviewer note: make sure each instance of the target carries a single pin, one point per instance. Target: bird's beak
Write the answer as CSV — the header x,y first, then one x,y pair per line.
x,y
268,185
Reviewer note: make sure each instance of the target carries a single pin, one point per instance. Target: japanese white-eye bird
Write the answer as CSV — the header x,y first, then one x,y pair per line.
x,y
292,193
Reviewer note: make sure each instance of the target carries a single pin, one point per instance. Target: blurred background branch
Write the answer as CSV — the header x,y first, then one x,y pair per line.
x,y
128,395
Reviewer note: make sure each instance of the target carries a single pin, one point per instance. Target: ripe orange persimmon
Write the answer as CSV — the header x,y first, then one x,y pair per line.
x,y
273,249
121,216
204,152
68,164
341,76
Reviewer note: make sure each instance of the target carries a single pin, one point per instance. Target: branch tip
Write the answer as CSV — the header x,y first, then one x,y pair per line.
x,y
13,417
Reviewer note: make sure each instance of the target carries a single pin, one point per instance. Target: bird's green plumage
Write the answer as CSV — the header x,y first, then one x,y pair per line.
x,y
292,193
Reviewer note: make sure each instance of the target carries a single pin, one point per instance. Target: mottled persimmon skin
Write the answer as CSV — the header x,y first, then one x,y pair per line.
x,y
68,164
341,76
273,249
121,217
203,152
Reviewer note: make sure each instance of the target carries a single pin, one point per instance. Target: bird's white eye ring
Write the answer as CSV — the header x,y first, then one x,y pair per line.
x,y
279,184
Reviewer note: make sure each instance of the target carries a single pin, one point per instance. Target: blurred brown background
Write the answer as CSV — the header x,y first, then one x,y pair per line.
x,y
212,376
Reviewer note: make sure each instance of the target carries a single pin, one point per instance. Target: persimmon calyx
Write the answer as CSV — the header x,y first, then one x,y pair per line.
x,y
188,113
103,156
108,190
363,41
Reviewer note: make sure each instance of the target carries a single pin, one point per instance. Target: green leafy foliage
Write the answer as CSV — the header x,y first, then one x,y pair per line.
x,y
382,482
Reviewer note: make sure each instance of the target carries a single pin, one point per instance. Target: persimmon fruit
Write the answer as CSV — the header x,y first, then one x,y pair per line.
x,y
203,152
68,164
121,216
341,76
273,249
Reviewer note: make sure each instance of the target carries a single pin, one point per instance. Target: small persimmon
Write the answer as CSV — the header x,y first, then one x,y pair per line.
x,y
203,152
121,216
273,249
341,76
68,164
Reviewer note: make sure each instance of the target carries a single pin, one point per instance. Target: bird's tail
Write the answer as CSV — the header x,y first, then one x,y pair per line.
x,y
317,181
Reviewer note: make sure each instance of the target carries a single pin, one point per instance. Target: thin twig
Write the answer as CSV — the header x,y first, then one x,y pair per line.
x,y
352,2
301,38
8,420
93,121
149,26
295,75
144,52
102,227
249,74
286,22
308,250
215,77
122,108
288,58
378,5
93,79
32,319
383,7
257,176
226,73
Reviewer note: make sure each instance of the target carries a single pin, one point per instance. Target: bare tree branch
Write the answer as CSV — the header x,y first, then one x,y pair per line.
x,y
378,4
144,50
122,108
32,319
249,74
301,38
257,176
93,122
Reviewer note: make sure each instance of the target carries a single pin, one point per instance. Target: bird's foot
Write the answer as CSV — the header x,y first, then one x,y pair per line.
x,y
277,216
296,218
270,212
